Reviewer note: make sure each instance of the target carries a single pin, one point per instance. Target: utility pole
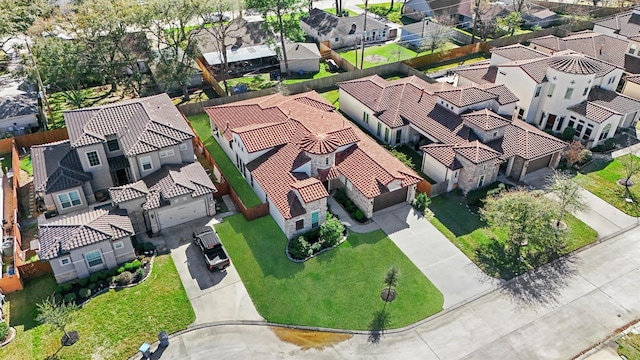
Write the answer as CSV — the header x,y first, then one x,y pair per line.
x,y
364,32
40,87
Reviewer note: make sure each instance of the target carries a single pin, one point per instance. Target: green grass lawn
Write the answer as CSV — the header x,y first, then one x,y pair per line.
x,y
296,78
333,11
599,177
7,160
111,326
452,65
338,289
391,14
629,346
253,82
332,96
202,127
26,165
465,229
387,53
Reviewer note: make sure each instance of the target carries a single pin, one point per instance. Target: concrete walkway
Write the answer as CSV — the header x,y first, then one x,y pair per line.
x,y
451,271
554,313
603,217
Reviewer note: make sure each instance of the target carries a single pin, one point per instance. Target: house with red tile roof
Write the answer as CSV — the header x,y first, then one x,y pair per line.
x,y
561,89
294,150
466,134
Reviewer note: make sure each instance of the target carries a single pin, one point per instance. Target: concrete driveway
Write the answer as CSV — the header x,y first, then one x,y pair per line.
x,y
451,271
215,296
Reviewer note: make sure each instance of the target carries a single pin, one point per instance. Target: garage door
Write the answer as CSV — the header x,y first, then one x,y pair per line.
x,y
538,164
388,199
180,214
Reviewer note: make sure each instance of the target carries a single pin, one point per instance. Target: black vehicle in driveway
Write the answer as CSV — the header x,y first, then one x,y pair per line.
x,y
215,256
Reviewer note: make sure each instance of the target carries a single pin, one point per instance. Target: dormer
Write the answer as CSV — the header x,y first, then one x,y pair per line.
x,y
633,47
486,124
463,99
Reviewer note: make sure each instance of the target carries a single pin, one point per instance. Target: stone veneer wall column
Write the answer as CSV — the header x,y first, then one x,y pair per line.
x,y
318,205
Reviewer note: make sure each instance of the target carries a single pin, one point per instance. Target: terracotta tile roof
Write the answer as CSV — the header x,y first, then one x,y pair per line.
x,y
592,111
485,119
483,74
61,236
633,79
476,152
136,190
264,136
505,96
549,41
626,23
526,141
518,52
56,167
142,125
444,154
462,97
574,64
613,101
535,68
176,180
317,129
310,189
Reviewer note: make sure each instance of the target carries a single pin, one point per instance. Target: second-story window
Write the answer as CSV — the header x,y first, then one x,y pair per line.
x,y
568,93
145,163
93,158
586,90
166,153
113,145
551,88
538,91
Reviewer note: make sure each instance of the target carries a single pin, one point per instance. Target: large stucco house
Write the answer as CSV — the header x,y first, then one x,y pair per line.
x,y
559,90
466,134
294,150
134,156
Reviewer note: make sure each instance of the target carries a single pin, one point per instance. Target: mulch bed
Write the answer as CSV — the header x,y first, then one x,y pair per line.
x,y
388,295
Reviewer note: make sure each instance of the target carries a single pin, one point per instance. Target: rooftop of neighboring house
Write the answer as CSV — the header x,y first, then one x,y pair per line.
x,y
325,23
17,105
239,33
625,23
61,236
293,128
602,104
599,46
168,182
141,125
56,167
518,52
302,51
633,79
425,27
413,101
480,73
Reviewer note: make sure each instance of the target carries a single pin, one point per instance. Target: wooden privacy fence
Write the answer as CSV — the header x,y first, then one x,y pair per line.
x,y
28,140
224,187
424,187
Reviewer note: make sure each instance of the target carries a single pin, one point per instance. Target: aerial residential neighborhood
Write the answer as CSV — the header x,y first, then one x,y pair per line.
x,y
330,179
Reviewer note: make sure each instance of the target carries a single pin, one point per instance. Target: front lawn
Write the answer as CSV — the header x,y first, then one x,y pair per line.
x,y
600,178
202,127
111,326
462,225
338,289
386,53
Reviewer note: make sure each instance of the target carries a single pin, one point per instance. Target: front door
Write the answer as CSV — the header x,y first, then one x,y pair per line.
x,y
551,120
121,177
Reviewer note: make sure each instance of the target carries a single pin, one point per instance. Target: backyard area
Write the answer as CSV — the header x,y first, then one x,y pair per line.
x,y
600,177
202,127
470,59
460,222
112,325
386,53
337,289
392,14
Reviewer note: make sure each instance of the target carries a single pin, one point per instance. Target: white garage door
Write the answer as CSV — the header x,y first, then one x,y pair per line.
x,y
180,214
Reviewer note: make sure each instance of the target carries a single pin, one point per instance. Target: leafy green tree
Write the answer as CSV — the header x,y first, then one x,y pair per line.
x,y
331,230
511,22
527,218
421,202
631,166
567,193
56,315
282,16
16,16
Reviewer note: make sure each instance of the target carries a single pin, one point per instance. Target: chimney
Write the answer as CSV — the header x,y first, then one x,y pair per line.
x,y
601,47
421,95
227,128
297,46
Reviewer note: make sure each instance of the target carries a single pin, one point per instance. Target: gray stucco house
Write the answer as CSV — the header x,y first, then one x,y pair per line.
x,y
79,245
119,144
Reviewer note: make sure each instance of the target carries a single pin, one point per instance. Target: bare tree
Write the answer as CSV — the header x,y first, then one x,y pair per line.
x,y
567,194
480,8
631,166
435,37
575,153
518,5
223,31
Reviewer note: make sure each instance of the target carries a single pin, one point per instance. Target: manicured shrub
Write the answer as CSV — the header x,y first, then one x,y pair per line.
x,y
138,275
421,202
114,271
298,248
67,287
132,266
60,289
103,274
358,215
568,133
94,278
124,278
121,269
4,330
83,282
70,297
331,231
84,293
586,155
92,286
57,298
110,280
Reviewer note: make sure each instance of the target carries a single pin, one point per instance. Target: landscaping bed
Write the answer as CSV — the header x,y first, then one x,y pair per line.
x,y
336,289
600,177
111,326
349,206
329,235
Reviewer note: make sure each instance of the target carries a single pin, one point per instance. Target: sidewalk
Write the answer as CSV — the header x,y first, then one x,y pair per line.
x,y
603,217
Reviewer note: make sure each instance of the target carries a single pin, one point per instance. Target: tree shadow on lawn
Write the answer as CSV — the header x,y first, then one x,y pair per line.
x,y
594,165
22,304
267,244
452,211
377,325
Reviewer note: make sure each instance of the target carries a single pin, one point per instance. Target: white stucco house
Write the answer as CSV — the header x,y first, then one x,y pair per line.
x,y
294,150
559,90
466,134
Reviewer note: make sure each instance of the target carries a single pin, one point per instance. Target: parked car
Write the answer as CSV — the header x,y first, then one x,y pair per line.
x,y
215,257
